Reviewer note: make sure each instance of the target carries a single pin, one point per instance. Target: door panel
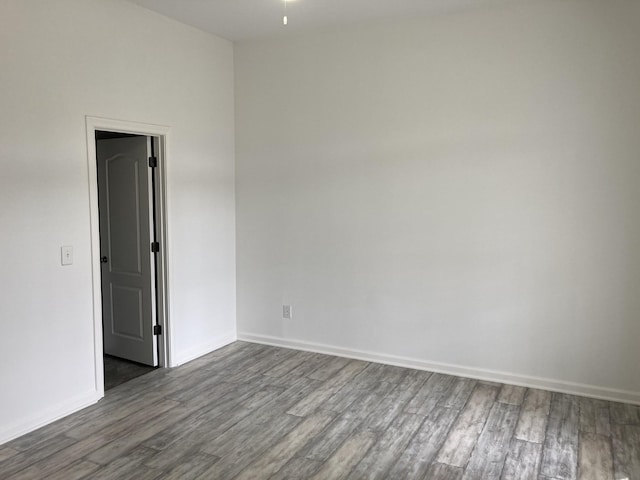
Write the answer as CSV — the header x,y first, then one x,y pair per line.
x,y
124,191
127,312
128,296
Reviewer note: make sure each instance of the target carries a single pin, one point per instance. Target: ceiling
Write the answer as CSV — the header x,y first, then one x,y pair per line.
x,y
240,20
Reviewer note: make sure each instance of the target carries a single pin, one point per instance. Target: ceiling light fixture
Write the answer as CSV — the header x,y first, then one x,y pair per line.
x,y
285,20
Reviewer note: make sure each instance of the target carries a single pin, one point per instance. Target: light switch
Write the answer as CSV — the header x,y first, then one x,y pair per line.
x,y
67,255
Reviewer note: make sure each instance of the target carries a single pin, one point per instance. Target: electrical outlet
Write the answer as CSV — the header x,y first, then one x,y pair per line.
x,y
286,311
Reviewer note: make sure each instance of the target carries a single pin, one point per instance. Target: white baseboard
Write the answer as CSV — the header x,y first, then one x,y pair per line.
x,y
204,348
592,391
49,415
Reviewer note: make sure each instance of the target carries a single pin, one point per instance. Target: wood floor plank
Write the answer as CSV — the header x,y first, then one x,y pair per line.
x,y
212,387
42,436
560,450
261,397
391,374
343,398
137,472
168,458
532,424
328,369
117,419
587,415
128,467
395,401
431,394
342,462
603,419
274,357
523,461
346,397
327,389
190,467
458,395
238,424
372,375
390,445
6,453
41,451
278,455
248,430
247,447
624,414
377,372
625,440
511,394
467,428
595,416
244,376
288,380
74,470
333,436
341,428
108,452
235,364
289,365
297,389
62,457
312,363
196,428
596,460
489,455
297,468
491,384
414,461
135,436
439,471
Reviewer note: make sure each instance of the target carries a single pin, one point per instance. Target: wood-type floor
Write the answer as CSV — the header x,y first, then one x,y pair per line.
x,y
118,371
255,412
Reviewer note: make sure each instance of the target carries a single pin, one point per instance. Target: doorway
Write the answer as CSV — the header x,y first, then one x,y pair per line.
x,y
127,186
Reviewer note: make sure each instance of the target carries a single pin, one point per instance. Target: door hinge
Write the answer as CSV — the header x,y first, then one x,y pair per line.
x,y
157,329
153,162
155,247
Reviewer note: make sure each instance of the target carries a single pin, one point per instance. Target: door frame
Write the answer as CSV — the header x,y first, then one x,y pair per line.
x,y
161,133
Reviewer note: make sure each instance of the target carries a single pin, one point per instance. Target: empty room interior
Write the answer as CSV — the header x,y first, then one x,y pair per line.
x,y
328,239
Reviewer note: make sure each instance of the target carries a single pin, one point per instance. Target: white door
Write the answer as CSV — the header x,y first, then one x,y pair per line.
x,y
128,273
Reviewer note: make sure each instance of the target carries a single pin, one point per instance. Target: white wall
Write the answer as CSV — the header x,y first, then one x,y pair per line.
x,y
459,193
61,61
